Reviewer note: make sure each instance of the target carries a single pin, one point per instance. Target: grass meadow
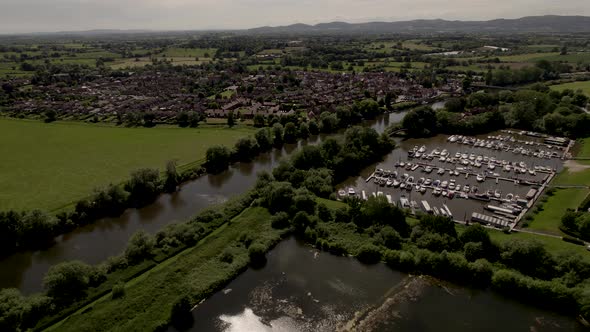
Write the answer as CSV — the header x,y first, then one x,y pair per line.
x,y
48,166
582,85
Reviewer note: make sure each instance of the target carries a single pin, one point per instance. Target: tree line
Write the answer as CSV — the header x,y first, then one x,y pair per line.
x,y
541,109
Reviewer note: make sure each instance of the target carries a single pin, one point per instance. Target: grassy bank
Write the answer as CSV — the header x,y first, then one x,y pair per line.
x,y
197,271
553,245
50,165
548,218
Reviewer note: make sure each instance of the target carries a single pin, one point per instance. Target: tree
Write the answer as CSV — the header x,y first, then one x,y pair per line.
x,y
50,116
278,196
172,180
264,139
304,201
36,228
314,129
259,121
68,281
246,149
528,256
257,254
455,105
328,122
182,119
230,119
144,186
140,247
180,314
277,131
217,158
290,133
303,130
310,156
420,122
12,308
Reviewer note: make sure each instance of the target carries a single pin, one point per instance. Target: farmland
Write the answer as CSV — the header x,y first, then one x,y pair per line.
x,y
50,165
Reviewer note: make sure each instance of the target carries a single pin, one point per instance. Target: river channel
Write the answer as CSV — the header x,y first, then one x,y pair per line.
x,y
302,289
108,237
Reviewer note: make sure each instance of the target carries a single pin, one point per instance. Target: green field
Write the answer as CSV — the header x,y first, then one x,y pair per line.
x,y
553,245
549,219
48,166
149,298
583,85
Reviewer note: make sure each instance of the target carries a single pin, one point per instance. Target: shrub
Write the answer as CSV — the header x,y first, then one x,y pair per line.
x,y
369,254
573,240
118,290
180,315
280,220
257,254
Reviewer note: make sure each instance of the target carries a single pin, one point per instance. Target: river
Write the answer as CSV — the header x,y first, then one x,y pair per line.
x,y
302,289
108,237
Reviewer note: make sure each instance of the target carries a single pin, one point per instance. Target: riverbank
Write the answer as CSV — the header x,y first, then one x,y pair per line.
x,y
198,271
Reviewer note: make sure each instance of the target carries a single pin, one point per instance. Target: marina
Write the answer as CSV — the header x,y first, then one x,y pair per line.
x,y
486,179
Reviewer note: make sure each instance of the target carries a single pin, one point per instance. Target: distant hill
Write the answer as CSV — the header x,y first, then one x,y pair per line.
x,y
547,24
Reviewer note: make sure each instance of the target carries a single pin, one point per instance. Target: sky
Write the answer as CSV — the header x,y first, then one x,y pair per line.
x,y
17,16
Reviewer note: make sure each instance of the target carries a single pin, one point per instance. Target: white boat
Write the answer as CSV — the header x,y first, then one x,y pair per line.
x,y
491,166
364,195
389,183
480,178
422,189
436,152
428,169
389,199
457,155
341,193
441,171
351,192
444,153
402,185
428,182
396,183
456,172
458,187
444,184
422,149
436,191
426,207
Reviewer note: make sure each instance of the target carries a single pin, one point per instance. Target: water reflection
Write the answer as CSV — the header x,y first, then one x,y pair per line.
x,y
301,289
248,321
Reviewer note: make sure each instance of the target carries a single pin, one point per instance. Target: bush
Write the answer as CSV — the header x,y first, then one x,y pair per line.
x,y
369,254
140,247
180,315
227,256
257,254
280,220
118,291
573,240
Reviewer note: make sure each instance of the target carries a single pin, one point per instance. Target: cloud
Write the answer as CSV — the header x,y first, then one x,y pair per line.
x,y
59,15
